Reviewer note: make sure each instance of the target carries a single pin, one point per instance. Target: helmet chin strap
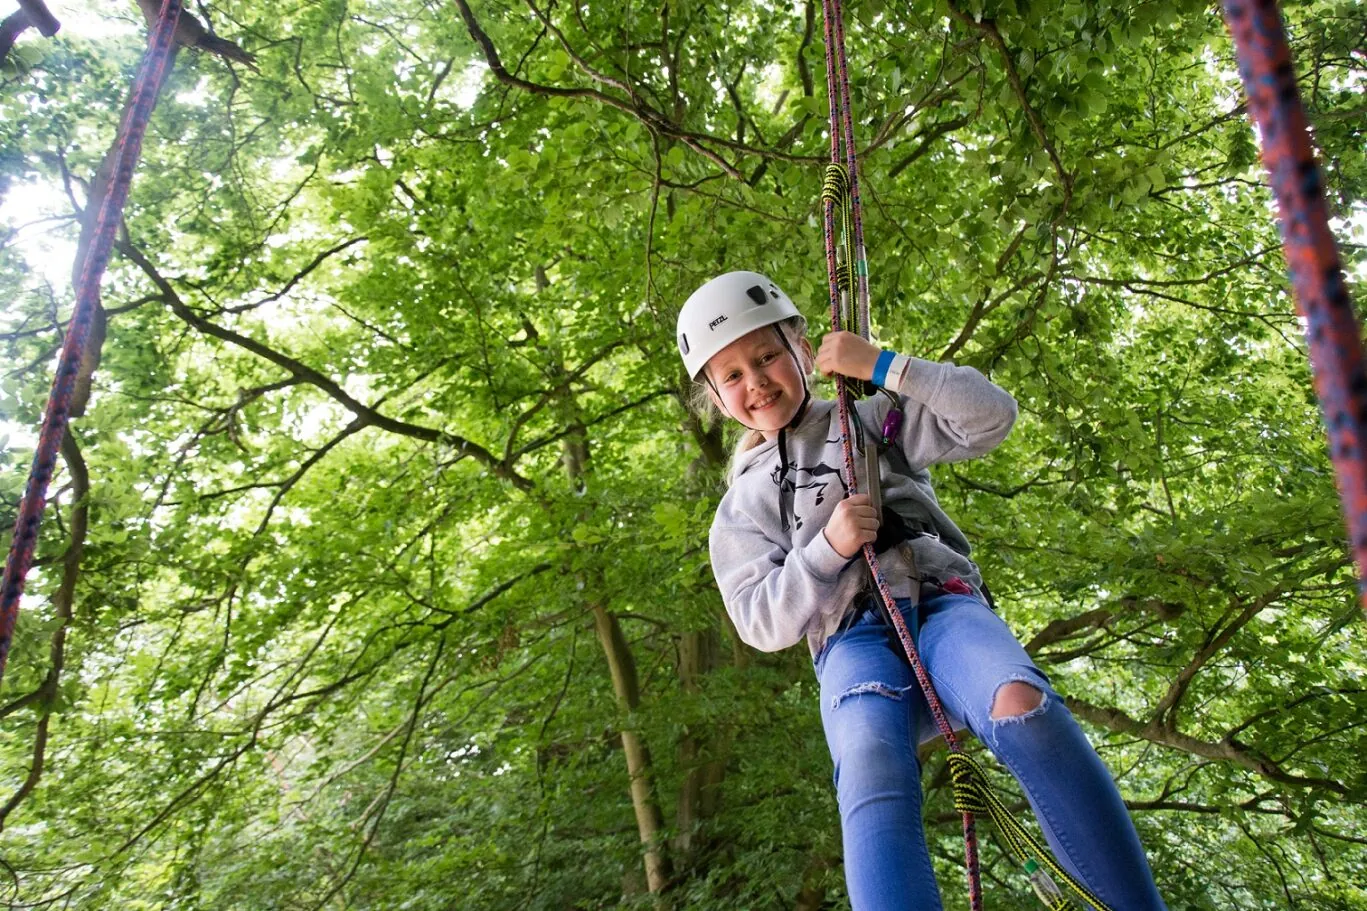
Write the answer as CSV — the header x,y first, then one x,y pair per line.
x,y
806,393
783,506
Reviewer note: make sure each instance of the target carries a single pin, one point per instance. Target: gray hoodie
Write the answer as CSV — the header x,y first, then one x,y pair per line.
x,y
781,585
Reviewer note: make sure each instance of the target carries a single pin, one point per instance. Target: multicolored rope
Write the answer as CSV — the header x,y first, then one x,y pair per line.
x,y
129,145
847,270
841,189
1317,279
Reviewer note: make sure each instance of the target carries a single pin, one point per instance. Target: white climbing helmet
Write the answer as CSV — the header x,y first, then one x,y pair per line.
x,y
725,309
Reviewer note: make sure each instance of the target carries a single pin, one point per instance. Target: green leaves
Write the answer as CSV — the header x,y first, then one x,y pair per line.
x,y
322,645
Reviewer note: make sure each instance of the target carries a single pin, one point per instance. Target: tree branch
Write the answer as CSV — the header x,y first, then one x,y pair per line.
x,y
1166,710
1155,732
309,375
30,13
994,36
297,277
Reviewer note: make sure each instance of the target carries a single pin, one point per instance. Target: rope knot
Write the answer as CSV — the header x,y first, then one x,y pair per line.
x,y
971,789
835,187
843,278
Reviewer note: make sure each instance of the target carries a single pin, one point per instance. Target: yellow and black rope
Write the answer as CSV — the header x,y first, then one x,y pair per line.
x,y
973,794
835,188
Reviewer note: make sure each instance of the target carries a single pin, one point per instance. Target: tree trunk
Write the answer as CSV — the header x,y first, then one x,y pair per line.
x,y
698,794
699,655
649,818
575,456
813,892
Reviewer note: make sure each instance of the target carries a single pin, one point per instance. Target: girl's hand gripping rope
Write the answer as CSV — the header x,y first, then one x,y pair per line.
x,y
853,524
847,354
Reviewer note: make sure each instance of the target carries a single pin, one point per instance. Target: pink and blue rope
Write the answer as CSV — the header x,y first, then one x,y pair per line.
x,y
58,412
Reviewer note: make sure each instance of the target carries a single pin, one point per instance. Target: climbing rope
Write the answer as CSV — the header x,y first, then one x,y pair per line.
x,y
1331,328
973,794
847,271
1333,331
129,145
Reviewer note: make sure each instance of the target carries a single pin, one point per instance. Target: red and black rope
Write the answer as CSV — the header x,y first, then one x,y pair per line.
x,y
129,145
1317,278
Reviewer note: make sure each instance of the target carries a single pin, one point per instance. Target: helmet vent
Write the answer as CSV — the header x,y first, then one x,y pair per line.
x,y
683,343
756,294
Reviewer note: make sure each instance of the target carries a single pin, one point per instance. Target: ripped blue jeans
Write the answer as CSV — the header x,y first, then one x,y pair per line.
x,y
874,716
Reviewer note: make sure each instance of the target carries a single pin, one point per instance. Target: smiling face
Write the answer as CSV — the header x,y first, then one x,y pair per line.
x,y
756,381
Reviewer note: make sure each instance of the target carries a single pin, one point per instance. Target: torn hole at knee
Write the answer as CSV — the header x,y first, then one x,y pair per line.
x,y
872,688
1016,700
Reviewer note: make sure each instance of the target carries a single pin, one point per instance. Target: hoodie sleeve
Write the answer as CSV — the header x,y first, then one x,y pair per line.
x,y
950,413
772,596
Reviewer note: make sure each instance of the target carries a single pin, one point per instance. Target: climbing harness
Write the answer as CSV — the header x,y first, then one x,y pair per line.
x,y
847,271
58,410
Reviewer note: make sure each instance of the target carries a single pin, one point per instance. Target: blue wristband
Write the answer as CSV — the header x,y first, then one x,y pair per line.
x,y
880,367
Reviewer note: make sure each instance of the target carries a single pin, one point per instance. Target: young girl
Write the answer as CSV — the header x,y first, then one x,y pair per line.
x,y
785,547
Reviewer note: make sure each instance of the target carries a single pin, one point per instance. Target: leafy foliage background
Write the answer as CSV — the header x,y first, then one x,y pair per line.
x,y
379,556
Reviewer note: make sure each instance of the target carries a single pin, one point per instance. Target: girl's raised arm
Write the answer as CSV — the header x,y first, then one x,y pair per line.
x,y
951,413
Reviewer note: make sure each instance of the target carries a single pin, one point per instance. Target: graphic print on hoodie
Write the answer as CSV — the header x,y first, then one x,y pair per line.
x,y
791,478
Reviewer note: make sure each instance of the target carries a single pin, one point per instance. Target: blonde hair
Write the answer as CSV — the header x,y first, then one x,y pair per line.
x,y
794,329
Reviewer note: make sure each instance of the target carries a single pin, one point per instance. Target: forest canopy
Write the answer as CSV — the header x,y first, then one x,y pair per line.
x,y
375,570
